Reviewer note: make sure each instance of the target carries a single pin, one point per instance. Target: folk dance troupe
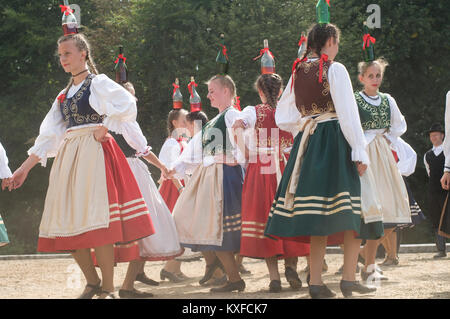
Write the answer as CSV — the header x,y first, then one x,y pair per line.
x,y
307,165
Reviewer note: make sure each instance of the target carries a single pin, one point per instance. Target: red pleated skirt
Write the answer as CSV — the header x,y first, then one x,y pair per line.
x,y
257,197
129,217
169,193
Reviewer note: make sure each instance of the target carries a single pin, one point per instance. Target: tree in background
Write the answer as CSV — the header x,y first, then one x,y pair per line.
x,y
165,39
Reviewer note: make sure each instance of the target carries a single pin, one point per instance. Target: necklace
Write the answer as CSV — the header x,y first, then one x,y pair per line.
x,y
372,98
74,76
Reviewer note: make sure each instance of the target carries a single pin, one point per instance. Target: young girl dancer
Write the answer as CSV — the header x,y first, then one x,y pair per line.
x,y
382,123
318,198
267,163
208,212
93,200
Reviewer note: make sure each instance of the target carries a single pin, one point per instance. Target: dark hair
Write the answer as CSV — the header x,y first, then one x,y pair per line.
x,y
197,116
270,85
173,116
318,35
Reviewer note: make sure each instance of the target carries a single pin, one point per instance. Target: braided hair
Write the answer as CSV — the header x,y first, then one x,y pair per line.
x,y
318,35
270,85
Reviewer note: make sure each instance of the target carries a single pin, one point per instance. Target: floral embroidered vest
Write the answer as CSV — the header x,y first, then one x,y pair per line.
x,y
374,117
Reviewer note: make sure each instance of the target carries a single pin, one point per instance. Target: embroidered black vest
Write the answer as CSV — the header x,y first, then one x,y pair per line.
x,y
77,110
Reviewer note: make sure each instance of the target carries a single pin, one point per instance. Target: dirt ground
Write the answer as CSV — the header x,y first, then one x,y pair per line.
x,y
417,276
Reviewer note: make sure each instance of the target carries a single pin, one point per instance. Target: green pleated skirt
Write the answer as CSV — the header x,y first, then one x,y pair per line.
x,y
327,200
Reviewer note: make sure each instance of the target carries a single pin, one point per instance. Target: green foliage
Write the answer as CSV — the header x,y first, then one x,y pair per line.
x,y
167,39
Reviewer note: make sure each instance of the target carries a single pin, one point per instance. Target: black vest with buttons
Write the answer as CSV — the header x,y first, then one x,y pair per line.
x,y
436,164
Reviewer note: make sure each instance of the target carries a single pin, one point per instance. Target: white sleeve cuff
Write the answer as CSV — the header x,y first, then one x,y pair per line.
x,y
360,155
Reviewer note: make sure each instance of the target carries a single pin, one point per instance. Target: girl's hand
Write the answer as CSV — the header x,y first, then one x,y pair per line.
x,y
101,134
445,181
17,179
5,183
239,124
164,172
361,168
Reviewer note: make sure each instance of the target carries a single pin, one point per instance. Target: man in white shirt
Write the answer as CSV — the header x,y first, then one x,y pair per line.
x,y
434,161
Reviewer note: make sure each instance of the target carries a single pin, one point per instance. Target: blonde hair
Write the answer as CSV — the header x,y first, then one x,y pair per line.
x,y
225,81
363,66
83,45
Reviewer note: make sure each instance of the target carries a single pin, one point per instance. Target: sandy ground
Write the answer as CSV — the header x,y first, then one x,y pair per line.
x,y
417,276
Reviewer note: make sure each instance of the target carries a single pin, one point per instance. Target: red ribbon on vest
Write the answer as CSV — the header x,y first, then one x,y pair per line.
x,y
294,68
190,88
328,1
175,87
367,39
120,57
237,105
61,98
224,50
323,58
65,9
262,51
302,39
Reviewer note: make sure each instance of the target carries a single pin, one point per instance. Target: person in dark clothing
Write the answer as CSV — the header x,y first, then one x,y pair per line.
x,y
434,161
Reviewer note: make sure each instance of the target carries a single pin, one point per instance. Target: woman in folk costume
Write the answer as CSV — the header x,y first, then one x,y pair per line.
x,y
269,149
444,225
164,244
170,189
93,200
208,212
320,201
5,174
382,123
406,159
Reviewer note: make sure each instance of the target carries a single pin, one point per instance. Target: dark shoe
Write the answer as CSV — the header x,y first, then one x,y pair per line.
x,y
142,277
292,278
347,287
230,286
134,294
217,281
441,254
275,286
320,292
94,290
390,262
164,274
210,269
244,271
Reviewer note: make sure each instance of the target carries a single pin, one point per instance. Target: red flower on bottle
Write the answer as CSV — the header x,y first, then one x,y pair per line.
x,y
65,9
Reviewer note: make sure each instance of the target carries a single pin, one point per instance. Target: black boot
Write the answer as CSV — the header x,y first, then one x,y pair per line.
x,y
292,278
347,287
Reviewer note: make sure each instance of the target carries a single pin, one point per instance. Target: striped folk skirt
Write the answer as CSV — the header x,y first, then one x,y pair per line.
x,y
92,199
327,200
208,211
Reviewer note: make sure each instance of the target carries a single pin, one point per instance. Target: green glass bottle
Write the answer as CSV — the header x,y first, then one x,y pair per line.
x,y
121,67
368,45
222,57
322,12
302,45
69,22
